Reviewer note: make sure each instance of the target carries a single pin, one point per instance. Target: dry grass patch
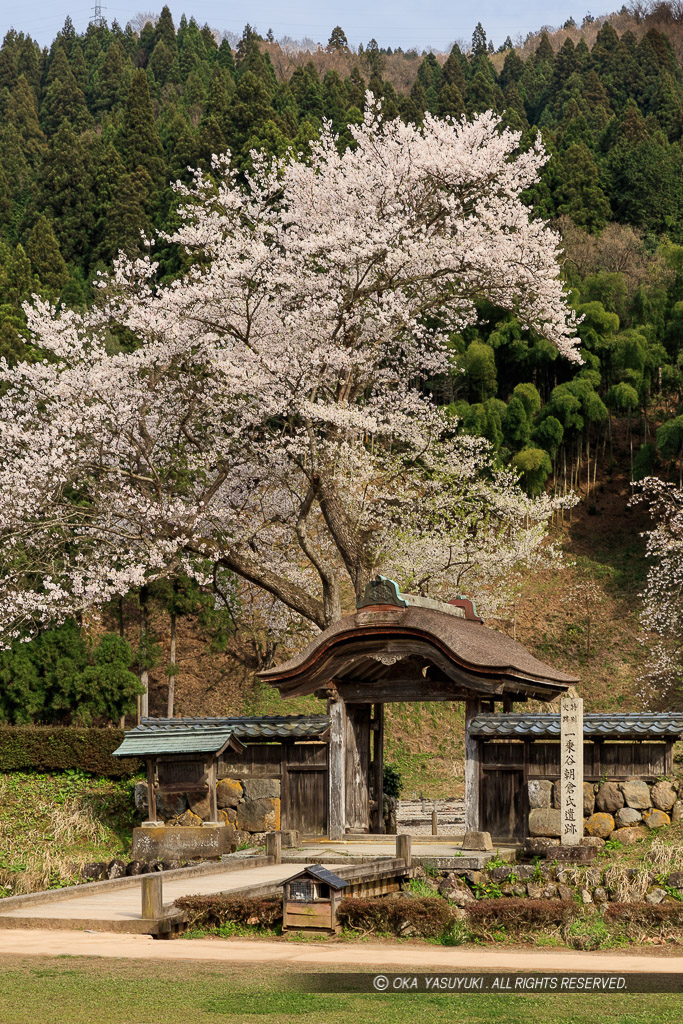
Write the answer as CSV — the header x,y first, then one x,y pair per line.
x,y
50,825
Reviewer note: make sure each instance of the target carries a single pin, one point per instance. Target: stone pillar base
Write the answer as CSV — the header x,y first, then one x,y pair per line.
x,y
572,854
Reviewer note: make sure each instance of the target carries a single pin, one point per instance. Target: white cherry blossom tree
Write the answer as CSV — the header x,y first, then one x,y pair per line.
x,y
267,411
663,595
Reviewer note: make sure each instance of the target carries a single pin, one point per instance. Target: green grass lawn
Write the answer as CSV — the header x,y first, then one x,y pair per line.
x,y
79,990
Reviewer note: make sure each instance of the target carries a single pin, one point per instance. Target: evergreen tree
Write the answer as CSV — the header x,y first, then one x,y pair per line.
x,y
337,40
355,89
127,215
9,73
479,47
140,142
64,100
47,262
544,50
22,113
79,68
59,678
66,192
164,30
111,80
513,69
163,64
577,190
450,102
226,59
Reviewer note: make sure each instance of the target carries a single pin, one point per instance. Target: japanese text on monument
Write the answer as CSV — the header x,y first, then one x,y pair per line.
x,y
571,768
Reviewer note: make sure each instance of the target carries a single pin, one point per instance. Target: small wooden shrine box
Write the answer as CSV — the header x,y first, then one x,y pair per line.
x,y
310,900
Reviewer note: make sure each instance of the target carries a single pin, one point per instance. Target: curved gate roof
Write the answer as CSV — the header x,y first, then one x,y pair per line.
x,y
412,648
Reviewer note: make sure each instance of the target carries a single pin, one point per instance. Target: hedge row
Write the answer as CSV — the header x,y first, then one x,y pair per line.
x,y
215,910
62,748
645,914
519,914
426,916
431,917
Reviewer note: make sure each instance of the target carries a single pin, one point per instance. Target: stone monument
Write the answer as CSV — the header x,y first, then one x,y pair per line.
x,y
571,770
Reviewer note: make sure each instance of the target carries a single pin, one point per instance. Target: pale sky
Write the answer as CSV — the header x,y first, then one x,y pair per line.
x,y
405,23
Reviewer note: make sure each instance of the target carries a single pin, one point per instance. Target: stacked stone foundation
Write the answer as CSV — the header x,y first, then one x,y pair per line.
x,y
247,807
625,811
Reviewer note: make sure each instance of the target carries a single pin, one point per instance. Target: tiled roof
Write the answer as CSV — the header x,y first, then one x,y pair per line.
x,y
322,874
209,735
547,726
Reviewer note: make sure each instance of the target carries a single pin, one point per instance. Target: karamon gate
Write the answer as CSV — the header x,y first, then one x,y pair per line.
x,y
400,647
322,774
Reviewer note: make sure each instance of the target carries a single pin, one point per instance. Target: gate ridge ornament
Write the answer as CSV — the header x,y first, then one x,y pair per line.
x,y
382,590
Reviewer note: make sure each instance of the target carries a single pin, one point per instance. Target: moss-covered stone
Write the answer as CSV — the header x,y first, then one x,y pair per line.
x,y
262,815
656,819
600,824
229,792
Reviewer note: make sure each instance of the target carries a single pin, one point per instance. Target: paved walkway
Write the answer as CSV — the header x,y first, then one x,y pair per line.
x,y
408,956
415,816
441,851
125,904
380,847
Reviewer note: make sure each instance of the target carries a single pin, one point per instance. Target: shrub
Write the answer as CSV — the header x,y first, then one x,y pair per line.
x,y
61,748
645,914
428,917
217,909
61,677
392,781
518,914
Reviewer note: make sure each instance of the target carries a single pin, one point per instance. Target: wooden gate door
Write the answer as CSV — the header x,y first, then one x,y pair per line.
x,y
502,808
304,788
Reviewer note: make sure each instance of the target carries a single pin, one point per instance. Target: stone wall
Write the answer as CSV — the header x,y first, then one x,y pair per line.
x,y
611,810
250,806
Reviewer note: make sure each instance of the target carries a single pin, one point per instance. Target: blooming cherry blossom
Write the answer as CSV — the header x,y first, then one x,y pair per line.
x,y
267,411
663,595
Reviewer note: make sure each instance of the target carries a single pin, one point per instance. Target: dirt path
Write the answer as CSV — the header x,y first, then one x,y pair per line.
x,y
361,955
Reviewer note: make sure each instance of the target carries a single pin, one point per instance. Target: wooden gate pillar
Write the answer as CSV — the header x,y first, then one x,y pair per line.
x,y
337,769
472,708
378,768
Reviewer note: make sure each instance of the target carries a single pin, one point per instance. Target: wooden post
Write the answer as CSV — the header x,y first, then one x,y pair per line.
x,y
435,823
378,763
337,769
508,704
213,795
274,846
151,791
471,769
403,849
152,899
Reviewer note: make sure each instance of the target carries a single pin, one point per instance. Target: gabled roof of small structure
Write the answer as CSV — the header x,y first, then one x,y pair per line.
x,y
211,735
668,725
362,648
320,873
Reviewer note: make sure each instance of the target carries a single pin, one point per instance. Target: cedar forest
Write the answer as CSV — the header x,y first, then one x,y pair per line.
x,y
95,128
